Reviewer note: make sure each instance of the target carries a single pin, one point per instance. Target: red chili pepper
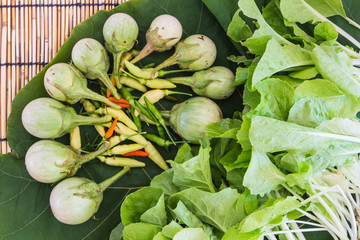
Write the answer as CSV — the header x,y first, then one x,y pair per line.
x,y
121,100
111,129
138,153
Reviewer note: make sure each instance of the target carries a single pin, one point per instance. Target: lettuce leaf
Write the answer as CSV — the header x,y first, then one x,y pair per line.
x,y
271,210
277,97
279,56
262,176
140,230
271,135
140,202
194,172
216,209
334,67
257,42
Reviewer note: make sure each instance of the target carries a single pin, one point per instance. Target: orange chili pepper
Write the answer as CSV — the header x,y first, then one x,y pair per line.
x,y
121,100
124,105
111,129
138,153
113,81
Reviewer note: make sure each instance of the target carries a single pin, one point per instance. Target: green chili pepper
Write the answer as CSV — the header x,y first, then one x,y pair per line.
x,y
159,140
158,117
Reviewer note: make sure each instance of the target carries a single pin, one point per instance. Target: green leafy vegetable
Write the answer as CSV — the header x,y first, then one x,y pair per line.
x,y
270,135
334,67
279,57
277,97
142,205
195,172
258,41
225,128
211,208
262,176
140,230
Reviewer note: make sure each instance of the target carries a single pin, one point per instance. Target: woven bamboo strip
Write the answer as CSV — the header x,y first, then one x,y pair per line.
x,y
66,27
31,33
22,44
9,68
13,56
34,42
3,80
26,42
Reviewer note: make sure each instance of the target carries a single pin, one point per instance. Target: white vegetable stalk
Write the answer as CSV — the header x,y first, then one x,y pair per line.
x,y
332,192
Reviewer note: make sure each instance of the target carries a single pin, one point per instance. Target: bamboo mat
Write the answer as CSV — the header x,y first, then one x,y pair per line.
x,y
32,32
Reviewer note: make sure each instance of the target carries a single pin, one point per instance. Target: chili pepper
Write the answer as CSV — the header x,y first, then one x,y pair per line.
x,y
156,95
158,117
75,138
118,113
138,72
149,65
89,107
124,105
145,111
110,131
127,95
115,140
124,148
160,141
143,76
152,118
160,129
155,156
95,103
121,161
112,79
130,82
137,153
137,120
124,130
121,100
126,57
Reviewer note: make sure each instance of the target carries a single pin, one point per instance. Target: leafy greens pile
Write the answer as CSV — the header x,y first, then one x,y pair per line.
x,y
288,164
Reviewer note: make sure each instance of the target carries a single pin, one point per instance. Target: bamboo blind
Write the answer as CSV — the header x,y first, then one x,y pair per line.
x,y
32,32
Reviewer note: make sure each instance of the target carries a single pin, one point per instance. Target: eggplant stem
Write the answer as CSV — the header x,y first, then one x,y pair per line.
x,y
148,48
106,80
166,114
105,184
163,72
85,120
168,62
90,156
95,96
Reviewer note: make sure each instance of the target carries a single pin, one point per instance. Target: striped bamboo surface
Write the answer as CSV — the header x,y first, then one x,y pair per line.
x,y
32,32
